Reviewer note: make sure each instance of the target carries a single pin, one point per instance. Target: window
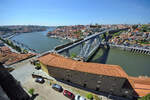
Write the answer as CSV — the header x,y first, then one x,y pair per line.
x,y
98,85
113,85
97,88
115,79
99,82
111,90
126,92
68,75
68,80
84,85
67,71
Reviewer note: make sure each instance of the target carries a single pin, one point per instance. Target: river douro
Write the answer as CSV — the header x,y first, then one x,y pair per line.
x,y
39,41
133,63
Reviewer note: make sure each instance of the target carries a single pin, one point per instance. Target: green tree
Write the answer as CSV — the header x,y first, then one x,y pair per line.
x,y
17,48
31,91
89,96
134,26
73,55
97,98
147,97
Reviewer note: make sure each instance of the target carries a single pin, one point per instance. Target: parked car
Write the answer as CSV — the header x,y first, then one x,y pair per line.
x,y
39,80
68,94
57,87
78,97
38,67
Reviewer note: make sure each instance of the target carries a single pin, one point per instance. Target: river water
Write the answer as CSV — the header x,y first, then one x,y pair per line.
x,y
39,41
133,63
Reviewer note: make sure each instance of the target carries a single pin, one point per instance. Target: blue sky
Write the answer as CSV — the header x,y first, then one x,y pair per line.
x,y
71,12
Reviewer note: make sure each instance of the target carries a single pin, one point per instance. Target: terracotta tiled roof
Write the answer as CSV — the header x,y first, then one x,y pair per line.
x,y
4,48
104,69
9,57
141,85
142,92
140,80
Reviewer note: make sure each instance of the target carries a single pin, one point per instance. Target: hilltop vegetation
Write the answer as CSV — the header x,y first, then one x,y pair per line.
x,y
21,29
145,28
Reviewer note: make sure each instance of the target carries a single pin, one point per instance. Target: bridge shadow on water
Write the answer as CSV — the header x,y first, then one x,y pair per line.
x,y
103,58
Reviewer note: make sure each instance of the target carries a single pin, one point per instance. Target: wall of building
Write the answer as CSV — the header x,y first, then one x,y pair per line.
x,y
106,84
44,67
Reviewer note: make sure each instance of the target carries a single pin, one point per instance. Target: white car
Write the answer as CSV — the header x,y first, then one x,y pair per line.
x,y
78,97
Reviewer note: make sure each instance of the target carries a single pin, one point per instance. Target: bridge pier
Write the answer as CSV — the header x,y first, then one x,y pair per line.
x,y
149,52
131,49
146,52
141,51
87,49
67,53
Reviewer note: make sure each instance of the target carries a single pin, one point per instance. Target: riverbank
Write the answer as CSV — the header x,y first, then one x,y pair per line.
x,y
131,49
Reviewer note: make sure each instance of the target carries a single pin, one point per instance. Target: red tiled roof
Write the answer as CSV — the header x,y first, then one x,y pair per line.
x,y
95,68
4,48
141,85
8,57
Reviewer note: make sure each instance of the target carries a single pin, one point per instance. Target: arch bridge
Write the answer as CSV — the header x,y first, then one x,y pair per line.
x,y
86,46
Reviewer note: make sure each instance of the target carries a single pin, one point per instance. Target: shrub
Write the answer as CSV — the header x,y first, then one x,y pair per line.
x,y
37,64
89,96
31,91
97,98
147,97
73,55
25,51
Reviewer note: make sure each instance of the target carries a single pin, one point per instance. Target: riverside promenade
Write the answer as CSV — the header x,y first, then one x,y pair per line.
x,y
132,49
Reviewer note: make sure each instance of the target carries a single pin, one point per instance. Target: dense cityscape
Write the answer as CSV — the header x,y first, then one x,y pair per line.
x,y
75,50
136,35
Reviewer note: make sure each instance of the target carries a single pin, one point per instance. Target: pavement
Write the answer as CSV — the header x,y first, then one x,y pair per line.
x,y
44,91
23,73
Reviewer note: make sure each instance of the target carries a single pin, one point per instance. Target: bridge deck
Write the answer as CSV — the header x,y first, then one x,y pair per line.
x,y
85,39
